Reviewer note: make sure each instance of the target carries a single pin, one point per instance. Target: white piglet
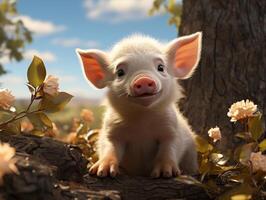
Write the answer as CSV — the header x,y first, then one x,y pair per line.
x,y
143,131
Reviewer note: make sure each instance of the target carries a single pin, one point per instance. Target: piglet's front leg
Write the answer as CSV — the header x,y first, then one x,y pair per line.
x,y
109,158
167,158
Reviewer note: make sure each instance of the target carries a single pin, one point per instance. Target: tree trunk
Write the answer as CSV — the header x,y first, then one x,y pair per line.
x,y
49,169
232,65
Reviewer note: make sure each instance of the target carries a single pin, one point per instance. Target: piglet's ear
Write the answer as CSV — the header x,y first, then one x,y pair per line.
x,y
184,54
94,64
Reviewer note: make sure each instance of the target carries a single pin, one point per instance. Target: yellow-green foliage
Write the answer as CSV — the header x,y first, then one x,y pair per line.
x,y
240,172
13,38
170,6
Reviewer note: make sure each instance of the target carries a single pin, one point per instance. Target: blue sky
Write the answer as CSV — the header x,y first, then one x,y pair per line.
x,y
60,26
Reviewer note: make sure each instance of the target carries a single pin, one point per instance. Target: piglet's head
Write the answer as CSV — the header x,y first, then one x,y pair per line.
x,y
141,70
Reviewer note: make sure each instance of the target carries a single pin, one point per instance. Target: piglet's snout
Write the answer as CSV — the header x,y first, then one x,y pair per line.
x,y
144,85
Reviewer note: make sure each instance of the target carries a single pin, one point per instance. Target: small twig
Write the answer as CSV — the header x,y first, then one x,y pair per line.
x,y
31,102
15,118
25,112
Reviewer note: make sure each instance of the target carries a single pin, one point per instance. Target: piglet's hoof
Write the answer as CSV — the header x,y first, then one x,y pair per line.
x,y
166,170
105,167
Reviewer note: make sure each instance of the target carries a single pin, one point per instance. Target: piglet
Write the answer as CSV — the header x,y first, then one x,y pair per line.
x,y
143,131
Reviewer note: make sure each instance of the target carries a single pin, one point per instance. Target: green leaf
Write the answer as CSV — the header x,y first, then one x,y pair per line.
x,y
216,157
93,136
40,121
205,166
217,170
262,145
82,129
45,120
36,121
202,145
244,135
13,127
56,103
31,88
245,152
255,126
171,5
36,72
37,132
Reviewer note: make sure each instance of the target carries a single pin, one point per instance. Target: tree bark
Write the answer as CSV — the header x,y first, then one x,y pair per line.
x,y
232,66
49,169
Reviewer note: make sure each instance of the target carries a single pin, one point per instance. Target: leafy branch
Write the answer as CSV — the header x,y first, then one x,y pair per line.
x,y
44,94
170,6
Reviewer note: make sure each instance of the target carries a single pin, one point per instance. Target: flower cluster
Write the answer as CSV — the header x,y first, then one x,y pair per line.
x,y
51,85
241,110
86,115
242,169
215,134
46,98
6,99
7,162
258,161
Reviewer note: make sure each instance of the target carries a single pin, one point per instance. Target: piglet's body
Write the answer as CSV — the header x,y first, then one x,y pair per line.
x,y
143,131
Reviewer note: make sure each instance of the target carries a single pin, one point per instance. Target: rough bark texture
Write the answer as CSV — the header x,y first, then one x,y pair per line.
x,y
233,60
49,169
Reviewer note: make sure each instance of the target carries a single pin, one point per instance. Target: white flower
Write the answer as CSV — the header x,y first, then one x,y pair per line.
x,y
51,85
6,99
215,134
7,162
241,110
258,161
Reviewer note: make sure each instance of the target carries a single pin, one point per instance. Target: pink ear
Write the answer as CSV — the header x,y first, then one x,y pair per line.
x,y
184,54
94,64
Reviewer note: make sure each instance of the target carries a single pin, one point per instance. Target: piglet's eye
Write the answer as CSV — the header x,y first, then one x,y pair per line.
x,y
120,72
160,68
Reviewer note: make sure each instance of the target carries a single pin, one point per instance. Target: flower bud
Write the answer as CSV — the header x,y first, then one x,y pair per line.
x,y
6,99
215,134
51,85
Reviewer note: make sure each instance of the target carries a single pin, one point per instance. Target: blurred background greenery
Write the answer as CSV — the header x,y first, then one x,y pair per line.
x,y
64,118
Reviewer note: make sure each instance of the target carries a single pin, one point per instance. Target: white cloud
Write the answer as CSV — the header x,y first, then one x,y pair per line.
x,y
12,79
75,42
16,84
4,60
64,78
40,27
117,10
67,78
86,92
46,56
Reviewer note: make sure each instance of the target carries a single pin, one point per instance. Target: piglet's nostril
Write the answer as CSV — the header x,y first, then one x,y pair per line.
x,y
144,85
151,84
